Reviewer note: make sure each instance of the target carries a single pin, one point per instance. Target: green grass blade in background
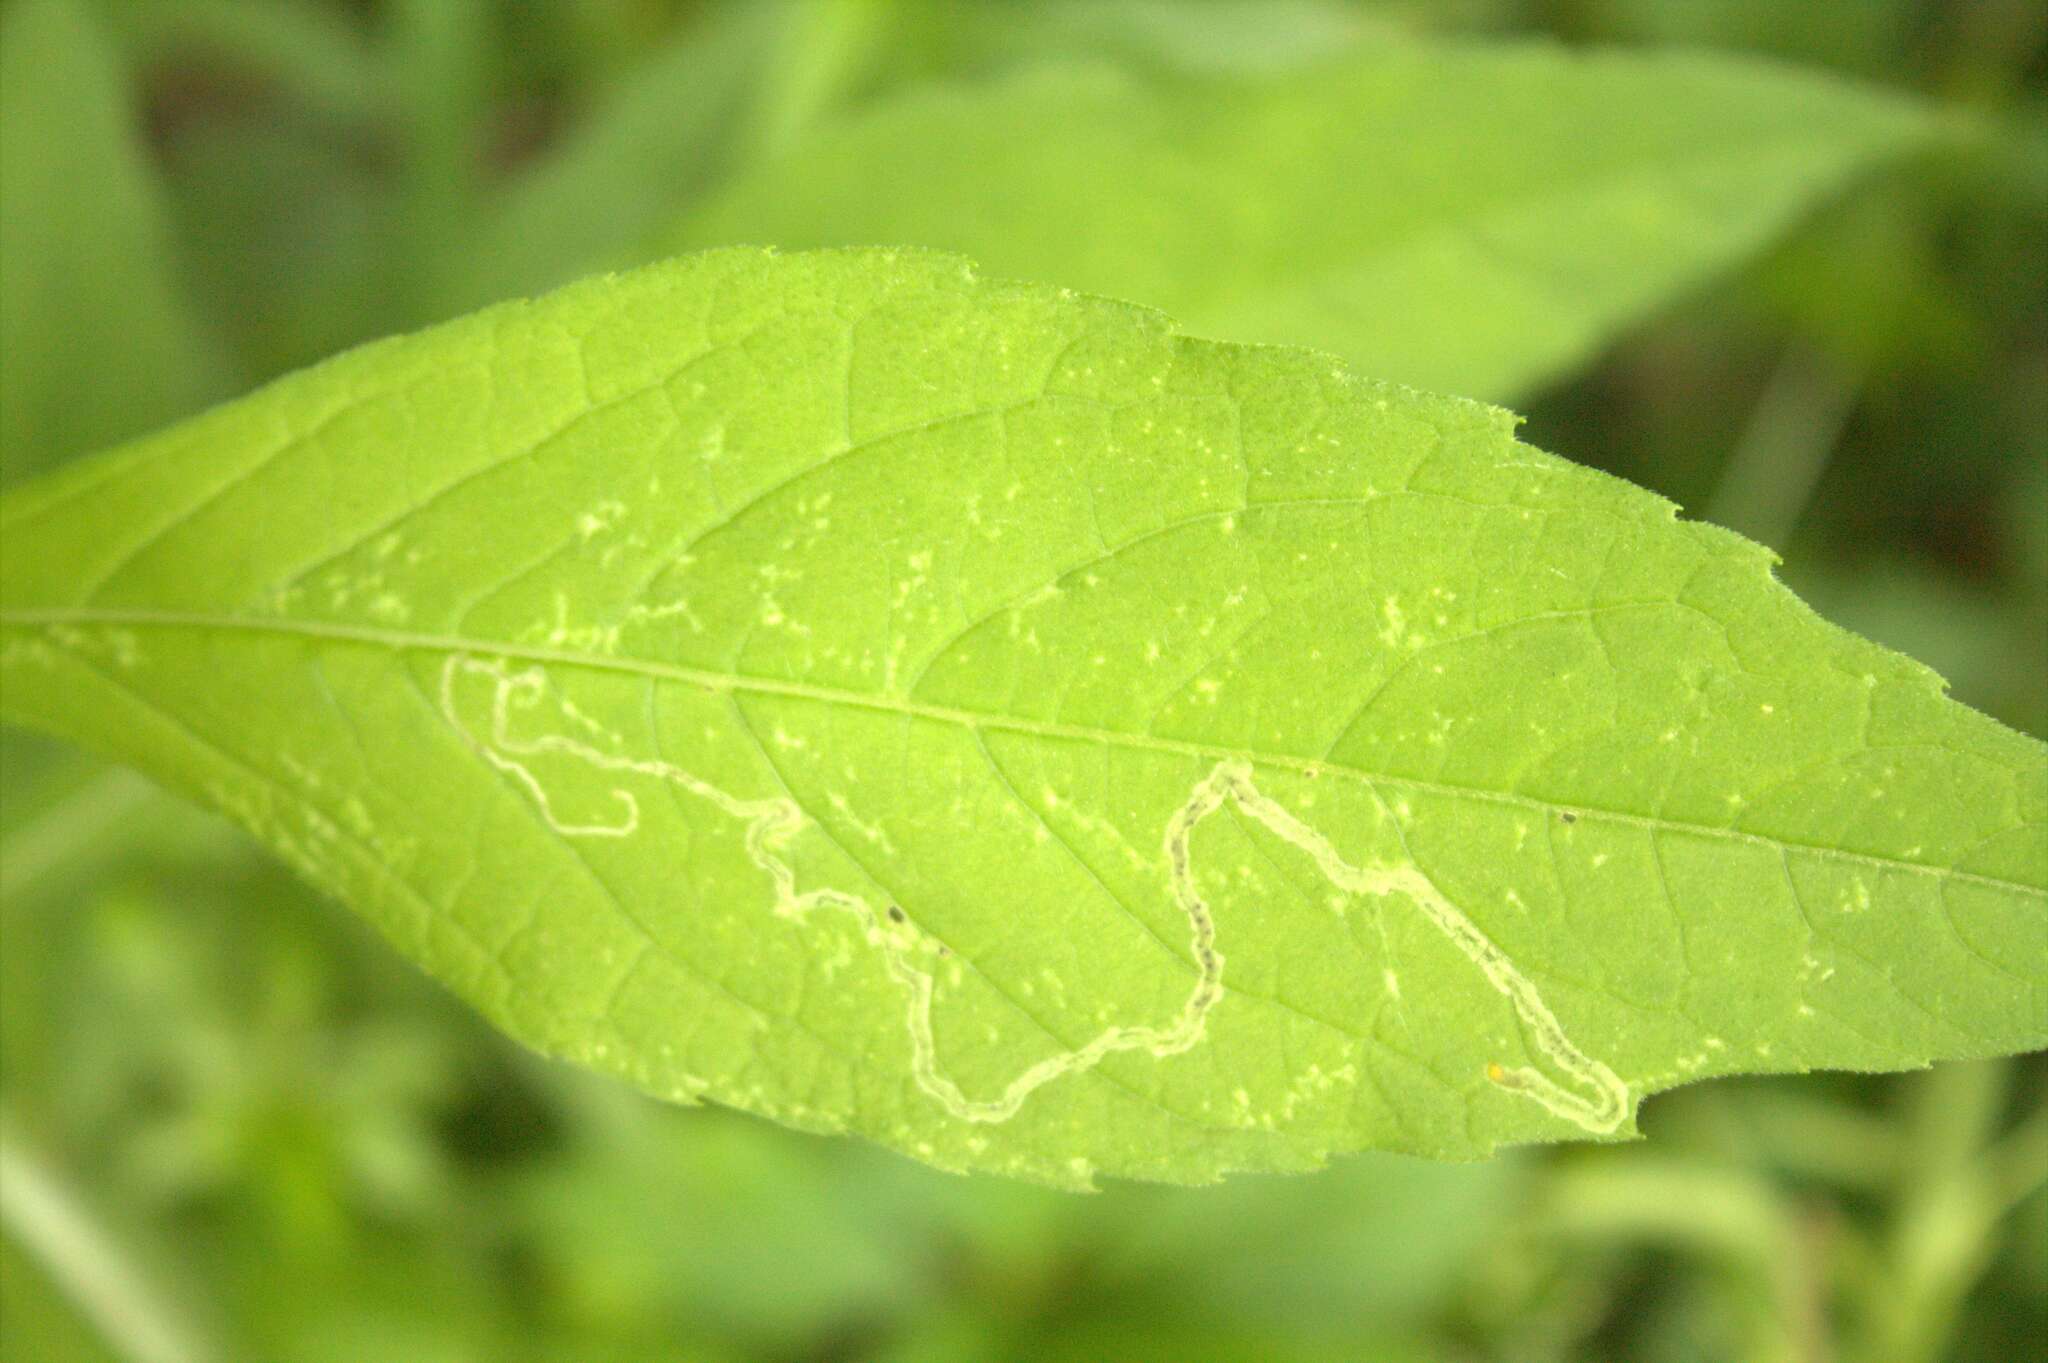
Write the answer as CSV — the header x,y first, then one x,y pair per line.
x,y
1469,219
36,1321
99,344
653,142
70,1291
984,719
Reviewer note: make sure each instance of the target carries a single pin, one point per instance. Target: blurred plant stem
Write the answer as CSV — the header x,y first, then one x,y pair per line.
x,y
1946,1176
69,827
1769,478
1731,1216
1952,1189
1788,1131
41,1214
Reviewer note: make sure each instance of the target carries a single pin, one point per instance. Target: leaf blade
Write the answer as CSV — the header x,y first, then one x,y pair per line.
x,y
981,718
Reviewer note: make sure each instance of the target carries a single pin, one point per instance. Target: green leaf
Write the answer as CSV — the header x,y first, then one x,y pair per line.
x,y
1469,219
979,717
1224,35
99,345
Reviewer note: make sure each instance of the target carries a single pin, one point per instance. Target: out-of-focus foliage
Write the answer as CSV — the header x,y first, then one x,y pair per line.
x,y
91,285
1463,218
299,1150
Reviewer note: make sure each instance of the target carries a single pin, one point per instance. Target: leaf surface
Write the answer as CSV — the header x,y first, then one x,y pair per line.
x,y
982,718
1471,219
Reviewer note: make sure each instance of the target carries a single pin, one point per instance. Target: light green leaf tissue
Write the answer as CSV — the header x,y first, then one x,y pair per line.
x,y
984,719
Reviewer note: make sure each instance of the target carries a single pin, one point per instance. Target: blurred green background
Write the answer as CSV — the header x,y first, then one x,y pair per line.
x,y
234,1126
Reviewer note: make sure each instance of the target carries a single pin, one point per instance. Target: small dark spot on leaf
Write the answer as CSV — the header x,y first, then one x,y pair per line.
x,y
1568,816
895,913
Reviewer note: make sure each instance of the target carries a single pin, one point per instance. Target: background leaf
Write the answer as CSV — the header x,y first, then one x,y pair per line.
x,y
1467,219
979,717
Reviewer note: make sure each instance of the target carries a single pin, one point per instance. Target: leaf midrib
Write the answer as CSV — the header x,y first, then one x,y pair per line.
x,y
706,679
